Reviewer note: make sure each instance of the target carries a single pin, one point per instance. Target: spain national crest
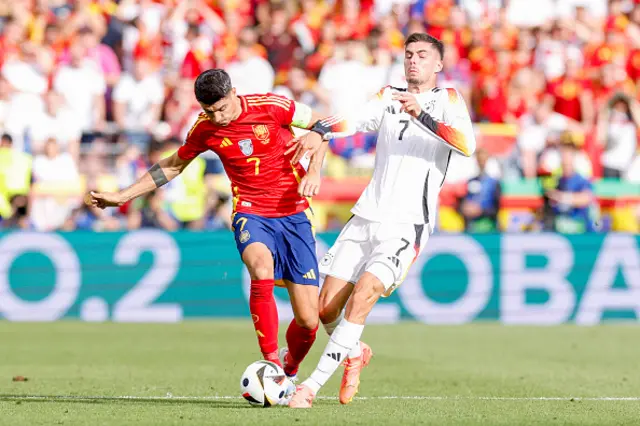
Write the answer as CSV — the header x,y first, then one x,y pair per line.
x,y
246,146
262,133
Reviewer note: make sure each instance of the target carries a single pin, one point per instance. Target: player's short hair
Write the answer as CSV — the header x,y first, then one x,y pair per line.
x,y
212,85
416,37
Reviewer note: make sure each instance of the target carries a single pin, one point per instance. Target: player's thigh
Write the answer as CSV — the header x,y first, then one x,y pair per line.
x,y
256,244
304,302
396,248
333,298
346,259
297,250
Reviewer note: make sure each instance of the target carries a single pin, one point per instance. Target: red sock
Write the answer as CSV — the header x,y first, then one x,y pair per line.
x,y
299,341
265,317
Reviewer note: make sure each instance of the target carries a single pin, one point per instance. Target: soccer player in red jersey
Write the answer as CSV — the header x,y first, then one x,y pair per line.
x,y
271,222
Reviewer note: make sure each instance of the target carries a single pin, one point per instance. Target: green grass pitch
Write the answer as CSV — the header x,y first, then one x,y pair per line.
x,y
471,374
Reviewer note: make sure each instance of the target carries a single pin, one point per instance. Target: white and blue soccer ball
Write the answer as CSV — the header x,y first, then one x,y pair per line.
x,y
264,384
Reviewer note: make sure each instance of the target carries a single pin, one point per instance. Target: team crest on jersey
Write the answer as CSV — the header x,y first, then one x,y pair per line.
x,y
246,146
262,133
430,106
327,259
244,236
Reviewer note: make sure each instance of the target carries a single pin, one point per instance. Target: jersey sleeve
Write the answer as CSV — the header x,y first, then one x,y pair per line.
x,y
365,119
195,144
456,129
281,109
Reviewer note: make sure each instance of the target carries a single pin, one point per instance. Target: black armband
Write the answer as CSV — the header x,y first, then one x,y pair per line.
x,y
320,128
428,121
158,176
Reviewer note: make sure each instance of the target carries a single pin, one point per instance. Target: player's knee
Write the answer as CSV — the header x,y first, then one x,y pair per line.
x,y
310,321
328,312
260,268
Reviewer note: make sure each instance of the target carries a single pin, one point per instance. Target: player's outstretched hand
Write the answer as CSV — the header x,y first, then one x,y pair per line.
x,y
409,103
102,200
309,185
305,145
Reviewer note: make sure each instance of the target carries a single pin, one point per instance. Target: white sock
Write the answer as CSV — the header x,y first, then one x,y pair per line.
x,y
330,327
342,340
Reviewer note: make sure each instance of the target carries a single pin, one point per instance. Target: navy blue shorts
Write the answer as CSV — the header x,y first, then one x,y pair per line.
x,y
290,239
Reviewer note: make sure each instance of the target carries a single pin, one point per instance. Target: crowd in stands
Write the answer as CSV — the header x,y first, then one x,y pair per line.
x,y
92,92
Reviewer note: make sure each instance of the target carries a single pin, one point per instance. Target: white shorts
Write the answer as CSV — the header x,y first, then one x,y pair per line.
x,y
386,250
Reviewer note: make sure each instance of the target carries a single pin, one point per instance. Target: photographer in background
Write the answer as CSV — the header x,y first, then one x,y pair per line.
x,y
617,132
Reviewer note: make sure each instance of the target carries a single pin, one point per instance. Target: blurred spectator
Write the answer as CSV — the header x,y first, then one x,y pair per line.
x,y
82,87
537,129
342,78
480,206
53,165
137,103
282,47
572,200
58,123
250,72
152,213
101,54
617,132
15,174
571,94
28,83
55,182
302,89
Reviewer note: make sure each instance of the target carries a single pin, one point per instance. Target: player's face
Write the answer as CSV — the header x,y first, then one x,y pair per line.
x,y
421,62
223,112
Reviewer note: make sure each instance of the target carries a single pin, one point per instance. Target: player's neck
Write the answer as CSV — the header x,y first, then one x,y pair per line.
x,y
420,88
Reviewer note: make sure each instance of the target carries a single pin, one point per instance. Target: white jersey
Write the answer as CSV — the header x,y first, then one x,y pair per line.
x,y
412,154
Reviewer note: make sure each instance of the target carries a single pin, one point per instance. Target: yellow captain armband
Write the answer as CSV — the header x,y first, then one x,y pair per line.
x,y
302,116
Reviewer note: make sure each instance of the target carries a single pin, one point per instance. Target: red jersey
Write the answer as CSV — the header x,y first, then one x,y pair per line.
x,y
251,148
566,93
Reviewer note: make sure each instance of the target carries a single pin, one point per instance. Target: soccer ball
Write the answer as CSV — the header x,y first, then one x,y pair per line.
x,y
264,384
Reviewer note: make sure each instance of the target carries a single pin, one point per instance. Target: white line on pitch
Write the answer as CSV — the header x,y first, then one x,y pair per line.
x,y
364,398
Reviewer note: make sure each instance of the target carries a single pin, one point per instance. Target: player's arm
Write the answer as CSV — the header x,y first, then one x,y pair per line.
x,y
456,130
158,175
365,119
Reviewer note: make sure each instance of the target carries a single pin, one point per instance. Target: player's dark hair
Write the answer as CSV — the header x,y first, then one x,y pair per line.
x,y
416,37
212,85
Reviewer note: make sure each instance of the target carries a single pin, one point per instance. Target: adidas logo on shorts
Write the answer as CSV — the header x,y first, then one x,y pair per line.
x,y
311,275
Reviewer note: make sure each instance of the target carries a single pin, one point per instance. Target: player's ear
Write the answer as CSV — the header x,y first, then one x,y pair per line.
x,y
439,66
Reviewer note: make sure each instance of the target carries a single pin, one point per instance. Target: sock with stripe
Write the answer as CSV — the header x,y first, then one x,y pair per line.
x,y
265,317
330,327
342,340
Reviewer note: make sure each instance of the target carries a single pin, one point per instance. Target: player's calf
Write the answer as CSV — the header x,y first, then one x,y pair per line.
x,y
366,293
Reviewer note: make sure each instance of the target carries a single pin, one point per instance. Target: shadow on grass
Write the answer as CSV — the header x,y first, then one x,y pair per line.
x,y
78,399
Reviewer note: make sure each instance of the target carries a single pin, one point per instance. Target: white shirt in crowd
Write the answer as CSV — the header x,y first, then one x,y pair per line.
x,y
61,168
343,80
63,127
412,155
621,142
139,96
534,135
29,85
253,75
79,88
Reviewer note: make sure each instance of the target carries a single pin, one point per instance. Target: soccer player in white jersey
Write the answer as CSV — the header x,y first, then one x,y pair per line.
x,y
418,130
